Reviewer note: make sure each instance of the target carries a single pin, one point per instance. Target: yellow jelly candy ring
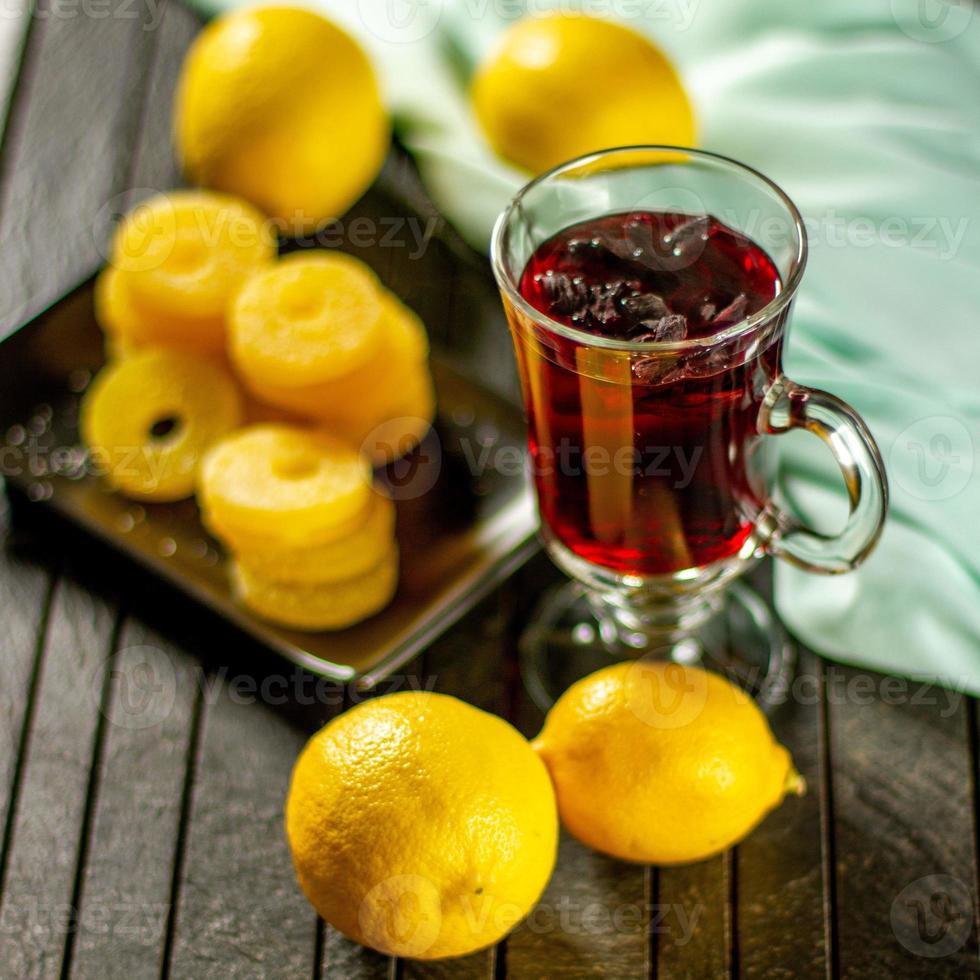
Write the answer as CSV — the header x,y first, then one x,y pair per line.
x,y
186,253
398,432
149,419
365,408
281,537
305,321
129,327
412,393
352,555
273,478
114,310
314,607
400,354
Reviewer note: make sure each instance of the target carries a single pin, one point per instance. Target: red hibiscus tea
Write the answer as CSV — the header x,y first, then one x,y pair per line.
x,y
648,462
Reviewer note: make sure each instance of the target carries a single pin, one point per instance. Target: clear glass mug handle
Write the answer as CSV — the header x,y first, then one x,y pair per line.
x,y
791,406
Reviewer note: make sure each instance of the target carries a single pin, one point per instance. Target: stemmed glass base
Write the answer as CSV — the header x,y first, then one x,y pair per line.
x,y
575,631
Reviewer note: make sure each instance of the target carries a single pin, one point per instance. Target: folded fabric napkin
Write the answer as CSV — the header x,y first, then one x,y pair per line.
x,y
866,113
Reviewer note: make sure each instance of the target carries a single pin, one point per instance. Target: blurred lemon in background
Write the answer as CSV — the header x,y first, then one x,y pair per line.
x,y
421,826
281,107
663,764
561,85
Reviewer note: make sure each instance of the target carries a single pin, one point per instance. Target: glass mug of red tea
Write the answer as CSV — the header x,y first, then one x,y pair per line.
x,y
648,291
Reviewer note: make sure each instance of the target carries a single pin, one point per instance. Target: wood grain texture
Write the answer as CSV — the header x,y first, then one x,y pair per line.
x,y
79,97
591,921
904,836
475,966
240,912
154,167
346,960
24,597
470,662
593,917
781,915
76,111
48,832
124,901
695,920
134,851
973,716
467,661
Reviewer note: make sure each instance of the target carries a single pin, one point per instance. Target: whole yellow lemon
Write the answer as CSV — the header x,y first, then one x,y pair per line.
x,y
661,763
421,826
562,85
281,107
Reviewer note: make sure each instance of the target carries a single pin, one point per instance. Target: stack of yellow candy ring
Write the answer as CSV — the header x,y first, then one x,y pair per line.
x,y
335,379
313,540
176,261
318,335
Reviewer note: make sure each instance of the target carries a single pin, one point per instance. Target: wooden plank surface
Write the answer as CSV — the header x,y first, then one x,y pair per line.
x,y
904,829
783,921
67,150
124,898
48,831
25,593
346,960
593,917
696,924
153,167
239,913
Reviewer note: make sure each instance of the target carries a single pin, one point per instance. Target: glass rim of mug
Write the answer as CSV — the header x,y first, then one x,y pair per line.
x,y
511,288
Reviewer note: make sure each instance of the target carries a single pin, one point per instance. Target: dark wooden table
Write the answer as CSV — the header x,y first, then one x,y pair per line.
x,y
145,748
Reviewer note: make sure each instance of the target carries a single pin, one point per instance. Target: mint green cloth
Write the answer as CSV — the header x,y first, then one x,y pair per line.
x,y
868,113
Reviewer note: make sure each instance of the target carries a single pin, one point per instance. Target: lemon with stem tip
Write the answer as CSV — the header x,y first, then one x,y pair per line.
x,y
662,763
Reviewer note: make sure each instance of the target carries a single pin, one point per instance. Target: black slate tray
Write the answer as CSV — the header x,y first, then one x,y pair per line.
x,y
466,519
